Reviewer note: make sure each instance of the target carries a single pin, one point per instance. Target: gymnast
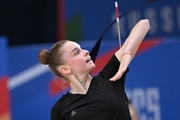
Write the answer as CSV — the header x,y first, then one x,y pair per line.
x,y
100,97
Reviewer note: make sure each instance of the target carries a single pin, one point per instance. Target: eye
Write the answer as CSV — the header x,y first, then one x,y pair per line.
x,y
77,52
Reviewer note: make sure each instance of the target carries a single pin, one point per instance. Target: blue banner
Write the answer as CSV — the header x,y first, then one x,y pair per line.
x,y
3,56
95,16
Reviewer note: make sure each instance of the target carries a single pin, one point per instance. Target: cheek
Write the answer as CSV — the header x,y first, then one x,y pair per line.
x,y
76,62
79,63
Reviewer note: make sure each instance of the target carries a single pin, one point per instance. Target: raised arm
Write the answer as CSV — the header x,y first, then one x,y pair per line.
x,y
126,53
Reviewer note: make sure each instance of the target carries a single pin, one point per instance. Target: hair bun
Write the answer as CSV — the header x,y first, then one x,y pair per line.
x,y
43,56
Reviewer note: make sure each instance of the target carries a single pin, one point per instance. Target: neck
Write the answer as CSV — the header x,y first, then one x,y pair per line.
x,y
80,85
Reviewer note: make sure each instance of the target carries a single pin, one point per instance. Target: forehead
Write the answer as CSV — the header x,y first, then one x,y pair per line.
x,y
70,45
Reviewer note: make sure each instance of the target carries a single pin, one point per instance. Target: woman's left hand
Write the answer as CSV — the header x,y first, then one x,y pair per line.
x,y
125,60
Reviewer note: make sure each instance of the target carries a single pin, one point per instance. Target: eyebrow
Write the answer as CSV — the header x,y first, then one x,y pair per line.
x,y
74,49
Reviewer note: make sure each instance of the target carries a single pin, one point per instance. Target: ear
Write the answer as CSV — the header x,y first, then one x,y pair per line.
x,y
64,69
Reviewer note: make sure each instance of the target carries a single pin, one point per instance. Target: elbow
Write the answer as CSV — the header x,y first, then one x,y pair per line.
x,y
145,23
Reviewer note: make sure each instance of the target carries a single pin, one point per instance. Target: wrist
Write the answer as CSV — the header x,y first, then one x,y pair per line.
x,y
125,53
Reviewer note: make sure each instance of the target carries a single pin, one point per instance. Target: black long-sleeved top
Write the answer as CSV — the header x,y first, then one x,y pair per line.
x,y
104,100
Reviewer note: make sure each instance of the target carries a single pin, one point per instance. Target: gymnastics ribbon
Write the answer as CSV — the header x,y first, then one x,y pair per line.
x,y
95,49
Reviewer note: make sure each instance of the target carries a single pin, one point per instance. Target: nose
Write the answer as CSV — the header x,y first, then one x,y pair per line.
x,y
86,52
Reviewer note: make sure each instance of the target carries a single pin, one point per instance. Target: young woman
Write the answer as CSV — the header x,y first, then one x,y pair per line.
x,y
101,97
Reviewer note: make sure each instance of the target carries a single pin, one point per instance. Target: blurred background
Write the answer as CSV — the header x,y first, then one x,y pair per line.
x,y
28,89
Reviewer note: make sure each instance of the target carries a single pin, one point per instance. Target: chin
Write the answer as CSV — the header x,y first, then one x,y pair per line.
x,y
92,67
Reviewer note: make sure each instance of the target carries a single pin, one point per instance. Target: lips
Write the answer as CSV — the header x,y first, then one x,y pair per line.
x,y
89,59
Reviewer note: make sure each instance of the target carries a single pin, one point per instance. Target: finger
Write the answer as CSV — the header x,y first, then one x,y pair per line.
x,y
116,77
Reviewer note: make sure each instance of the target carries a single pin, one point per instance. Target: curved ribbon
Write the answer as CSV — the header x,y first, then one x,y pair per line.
x,y
95,49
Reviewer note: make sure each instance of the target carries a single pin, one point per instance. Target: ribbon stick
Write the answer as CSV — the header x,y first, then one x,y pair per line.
x,y
95,49
118,25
